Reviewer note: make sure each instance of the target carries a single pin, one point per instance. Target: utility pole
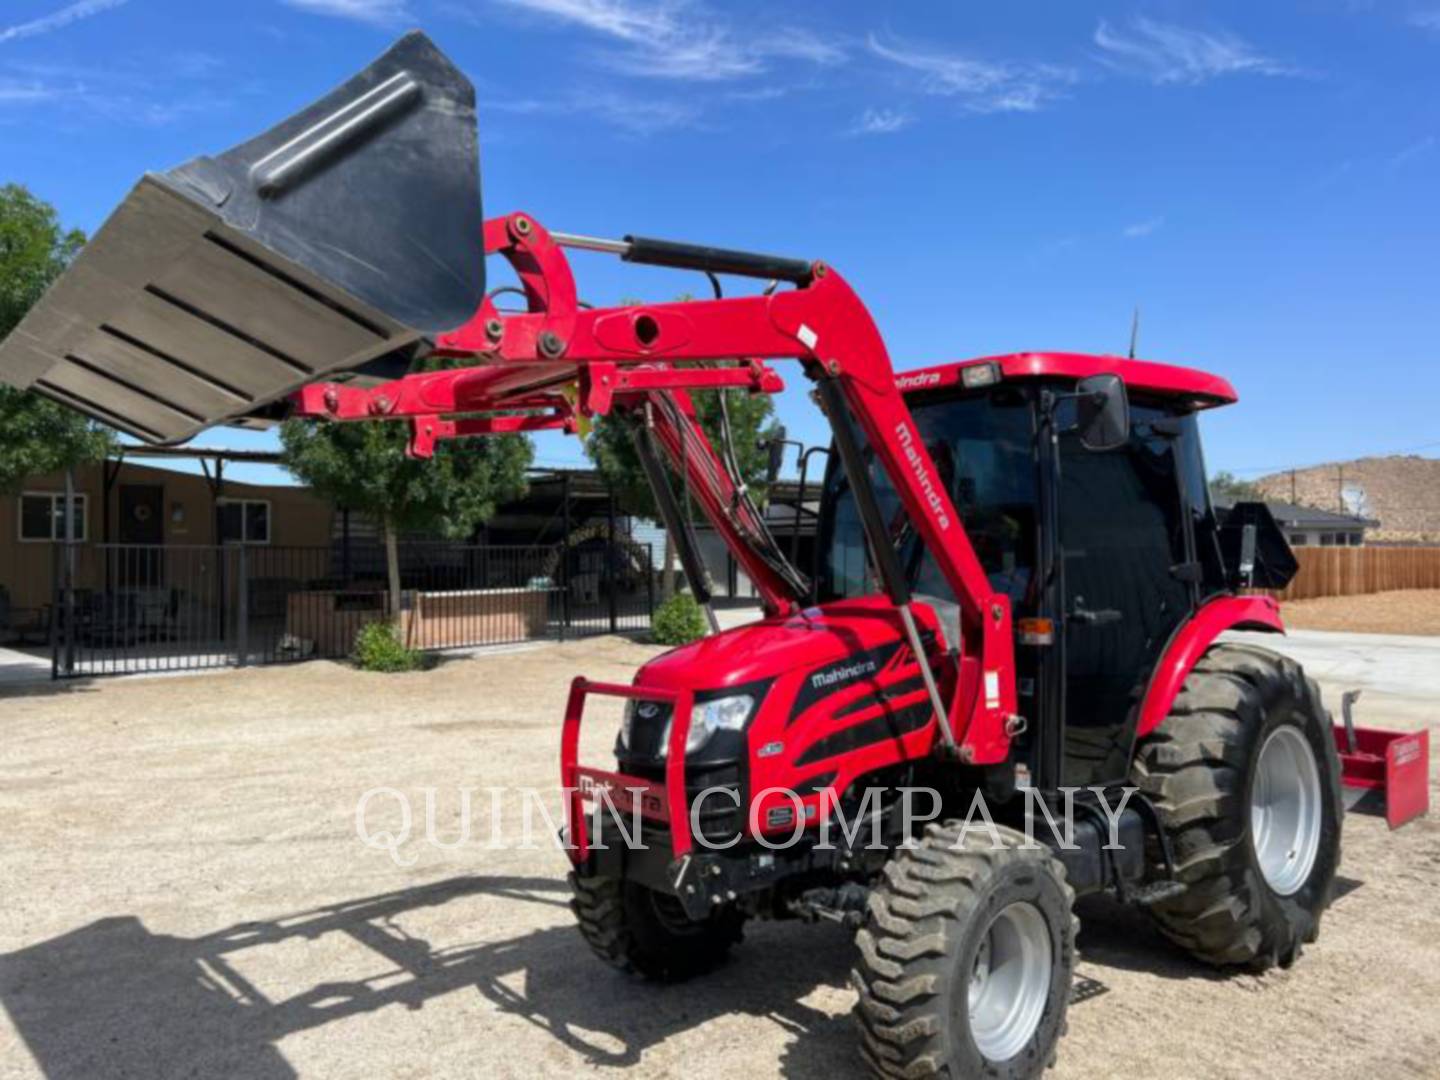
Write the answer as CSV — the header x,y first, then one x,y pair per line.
x,y
1292,487
1340,487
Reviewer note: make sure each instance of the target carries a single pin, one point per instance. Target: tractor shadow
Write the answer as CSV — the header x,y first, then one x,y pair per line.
x,y
1123,937
114,999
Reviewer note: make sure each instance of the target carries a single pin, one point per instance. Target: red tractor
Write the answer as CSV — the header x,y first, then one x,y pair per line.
x,y
1015,613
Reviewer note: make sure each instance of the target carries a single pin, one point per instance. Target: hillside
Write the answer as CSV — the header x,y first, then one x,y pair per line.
x,y
1402,493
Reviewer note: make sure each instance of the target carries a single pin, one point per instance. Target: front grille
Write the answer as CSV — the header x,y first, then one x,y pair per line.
x,y
720,818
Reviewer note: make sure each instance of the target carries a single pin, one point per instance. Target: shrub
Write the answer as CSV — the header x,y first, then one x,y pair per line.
x,y
679,621
378,648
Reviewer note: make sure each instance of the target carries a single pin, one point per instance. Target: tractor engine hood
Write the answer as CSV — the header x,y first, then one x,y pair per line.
x,y
791,666
808,641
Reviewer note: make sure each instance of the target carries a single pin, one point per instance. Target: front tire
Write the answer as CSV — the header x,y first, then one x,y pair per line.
x,y
1246,778
643,932
966,959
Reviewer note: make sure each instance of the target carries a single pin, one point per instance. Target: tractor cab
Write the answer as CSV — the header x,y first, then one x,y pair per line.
x,y
1103,548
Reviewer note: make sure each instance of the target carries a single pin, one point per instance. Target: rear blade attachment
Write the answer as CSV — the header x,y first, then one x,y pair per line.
x,y
1383,772
346,237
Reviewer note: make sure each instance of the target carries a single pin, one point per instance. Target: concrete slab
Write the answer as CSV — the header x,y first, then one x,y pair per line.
x,y
1398,675
22,668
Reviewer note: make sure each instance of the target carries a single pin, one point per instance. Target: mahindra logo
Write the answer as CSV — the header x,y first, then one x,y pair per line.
x,y
922,474
834,675
647,710
917,382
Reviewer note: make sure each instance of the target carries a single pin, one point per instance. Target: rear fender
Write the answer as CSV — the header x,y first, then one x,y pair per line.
x,y
1190,642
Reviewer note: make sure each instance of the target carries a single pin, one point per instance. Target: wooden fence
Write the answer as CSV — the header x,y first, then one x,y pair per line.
x,y
1351,571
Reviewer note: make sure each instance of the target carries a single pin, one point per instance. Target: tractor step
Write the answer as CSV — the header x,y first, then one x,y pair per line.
x,y
1156,892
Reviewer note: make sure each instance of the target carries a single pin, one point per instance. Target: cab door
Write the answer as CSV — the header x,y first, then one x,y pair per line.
x,y
1125,586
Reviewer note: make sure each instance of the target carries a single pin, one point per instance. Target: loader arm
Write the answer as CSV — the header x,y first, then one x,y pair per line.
x,y
558,364
319,260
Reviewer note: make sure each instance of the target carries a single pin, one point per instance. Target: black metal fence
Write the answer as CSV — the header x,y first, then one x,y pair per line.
x,y
124,608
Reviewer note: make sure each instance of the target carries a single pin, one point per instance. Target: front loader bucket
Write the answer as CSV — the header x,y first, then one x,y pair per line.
x,y
347,233
1385,772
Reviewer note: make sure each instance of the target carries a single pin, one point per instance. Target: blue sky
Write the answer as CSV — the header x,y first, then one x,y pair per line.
x,y
1260,179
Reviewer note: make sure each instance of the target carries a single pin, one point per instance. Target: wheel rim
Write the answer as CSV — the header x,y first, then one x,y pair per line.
x,y
1010,982
1285,813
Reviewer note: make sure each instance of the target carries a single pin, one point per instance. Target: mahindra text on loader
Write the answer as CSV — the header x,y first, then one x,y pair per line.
x,y
1019,593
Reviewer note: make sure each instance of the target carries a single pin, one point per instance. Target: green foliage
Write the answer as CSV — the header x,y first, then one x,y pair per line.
x,y
36,434
363,466
679,621
752,419
1230,488
34,251
378,648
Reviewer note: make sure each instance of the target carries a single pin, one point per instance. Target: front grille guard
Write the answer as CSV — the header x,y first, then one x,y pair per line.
x,y
664,803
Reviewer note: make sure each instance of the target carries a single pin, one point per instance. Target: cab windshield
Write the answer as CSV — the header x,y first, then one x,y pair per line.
x,y
984,450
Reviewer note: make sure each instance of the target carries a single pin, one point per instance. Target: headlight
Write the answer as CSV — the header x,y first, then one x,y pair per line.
x,y
708,717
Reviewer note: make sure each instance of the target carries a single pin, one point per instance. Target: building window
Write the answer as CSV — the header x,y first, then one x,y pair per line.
x,y
1299,539
245,521
1357,539
1327,539
42,516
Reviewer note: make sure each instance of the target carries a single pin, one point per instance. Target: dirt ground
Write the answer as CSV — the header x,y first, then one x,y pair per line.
x,y
185,894
1415,611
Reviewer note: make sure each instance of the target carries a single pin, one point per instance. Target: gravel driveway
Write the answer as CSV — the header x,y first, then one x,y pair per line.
x,y
185,894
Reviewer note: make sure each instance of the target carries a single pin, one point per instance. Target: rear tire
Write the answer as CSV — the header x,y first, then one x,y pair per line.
x,y
638,930
950,924
1212,769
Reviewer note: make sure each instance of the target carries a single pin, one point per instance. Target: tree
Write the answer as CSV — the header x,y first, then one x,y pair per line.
x,y
1228,487
362,466
752,420
36,435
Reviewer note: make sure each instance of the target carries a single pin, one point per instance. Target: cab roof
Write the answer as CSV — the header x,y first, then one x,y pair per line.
x,y
1197,388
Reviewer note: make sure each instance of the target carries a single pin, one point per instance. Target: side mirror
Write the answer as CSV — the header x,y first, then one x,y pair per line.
x,y
1102,409
775,450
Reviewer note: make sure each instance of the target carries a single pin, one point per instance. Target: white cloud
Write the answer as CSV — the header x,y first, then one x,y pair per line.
x,y
881,122
377,12
757,94
682,39
57,20
1426,20
1142,228
1413,151
1166,53
797,44
632,115
700,54
20,92
617,18
981,85
125,94
640,116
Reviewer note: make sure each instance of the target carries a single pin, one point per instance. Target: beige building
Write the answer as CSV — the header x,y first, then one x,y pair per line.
x,y
131,503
